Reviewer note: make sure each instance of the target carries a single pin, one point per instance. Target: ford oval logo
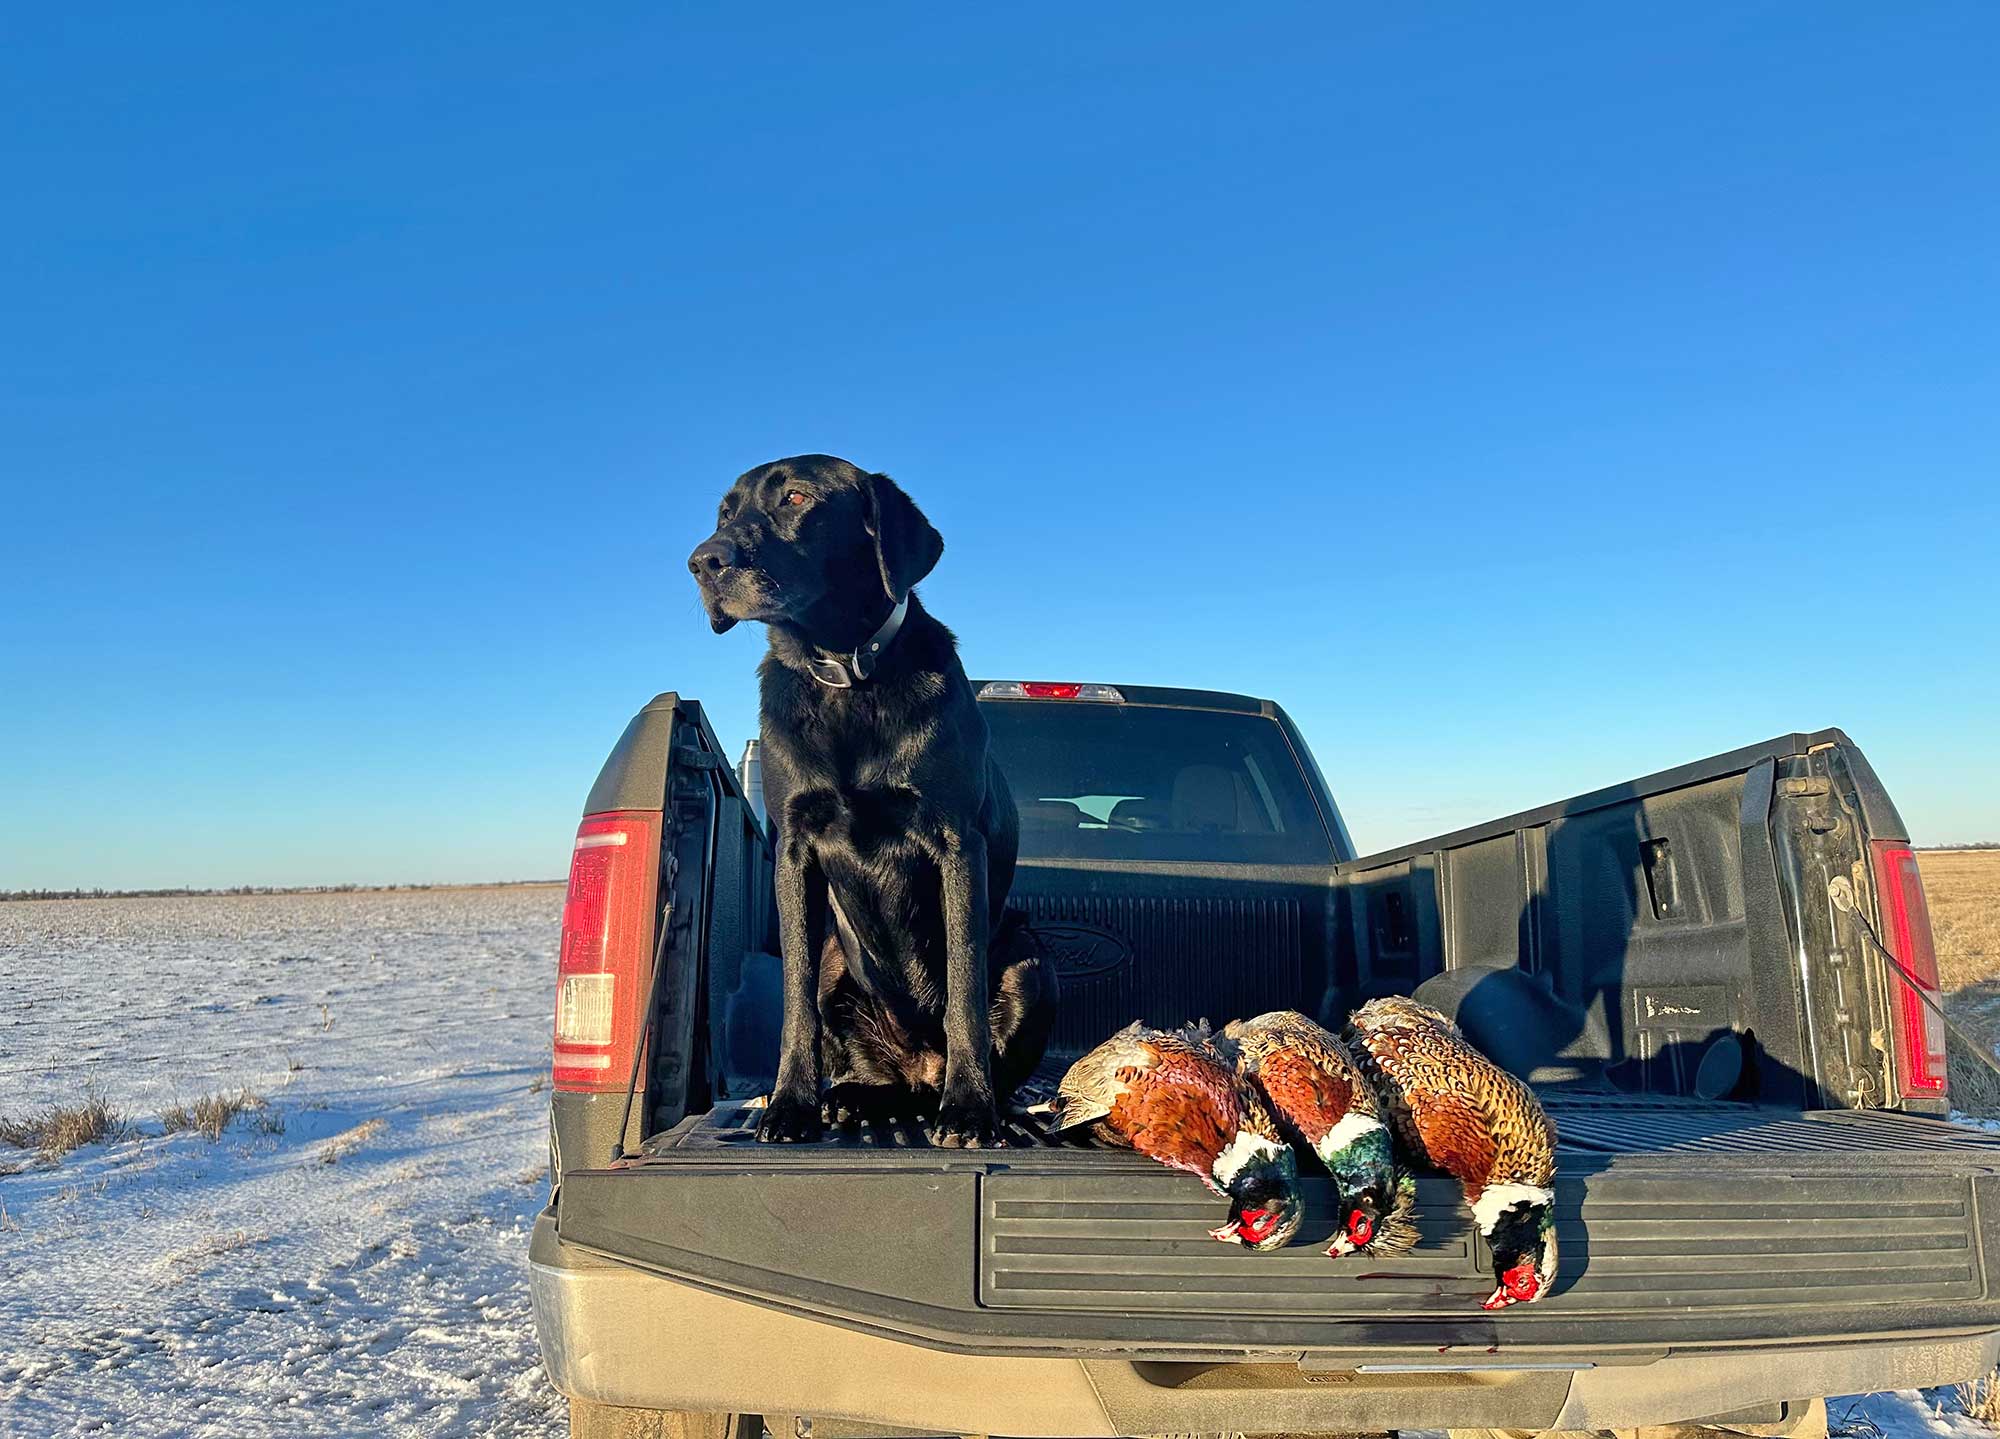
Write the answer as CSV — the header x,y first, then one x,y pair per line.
x,y
1081,950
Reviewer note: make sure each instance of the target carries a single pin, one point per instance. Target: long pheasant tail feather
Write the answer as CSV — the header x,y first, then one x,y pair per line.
x,y
1397,1232
1069,1113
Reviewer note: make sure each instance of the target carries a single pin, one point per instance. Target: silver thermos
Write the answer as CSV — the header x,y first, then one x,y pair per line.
x,y
750,774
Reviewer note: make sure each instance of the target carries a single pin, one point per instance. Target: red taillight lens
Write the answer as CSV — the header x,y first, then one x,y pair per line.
x,y
1906,929
606,960
1049,690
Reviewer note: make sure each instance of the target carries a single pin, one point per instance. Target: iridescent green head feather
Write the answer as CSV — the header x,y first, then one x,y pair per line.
x,y
1376,1198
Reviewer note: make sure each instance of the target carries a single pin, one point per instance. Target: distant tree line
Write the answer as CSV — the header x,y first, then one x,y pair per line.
x,y
188,891
1976,844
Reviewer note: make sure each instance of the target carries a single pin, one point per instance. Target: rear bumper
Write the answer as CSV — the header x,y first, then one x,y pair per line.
x,y
620,1335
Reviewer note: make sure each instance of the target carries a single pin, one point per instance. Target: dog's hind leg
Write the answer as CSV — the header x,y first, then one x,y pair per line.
x,y
867,1056
850,1105
1023,1011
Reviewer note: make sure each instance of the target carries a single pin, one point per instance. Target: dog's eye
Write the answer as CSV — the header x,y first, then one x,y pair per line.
x,y
796,497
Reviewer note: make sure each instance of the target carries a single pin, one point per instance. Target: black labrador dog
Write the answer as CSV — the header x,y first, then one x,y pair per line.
x,y
908,988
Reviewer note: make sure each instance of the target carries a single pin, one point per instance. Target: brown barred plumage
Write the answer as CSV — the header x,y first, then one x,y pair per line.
x,y
1325,1102
1457,1111
1171,1096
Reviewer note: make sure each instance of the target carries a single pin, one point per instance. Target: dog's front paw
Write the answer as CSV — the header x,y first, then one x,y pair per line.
x,y
790,1119
968,1122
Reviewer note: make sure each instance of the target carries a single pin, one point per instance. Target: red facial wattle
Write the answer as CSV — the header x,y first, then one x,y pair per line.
x,y
1256,1224
1519,1285
1360,1228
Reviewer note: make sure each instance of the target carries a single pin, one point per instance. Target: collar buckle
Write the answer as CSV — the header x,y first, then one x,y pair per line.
x,y
848,670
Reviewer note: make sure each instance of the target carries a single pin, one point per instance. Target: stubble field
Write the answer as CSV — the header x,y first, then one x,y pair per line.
x,y
1962,887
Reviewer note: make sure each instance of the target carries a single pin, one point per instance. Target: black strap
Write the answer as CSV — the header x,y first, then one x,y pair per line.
x,y
1843,899
844,672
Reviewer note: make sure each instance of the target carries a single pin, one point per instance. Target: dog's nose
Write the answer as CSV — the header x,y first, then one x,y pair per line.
x,y
712,557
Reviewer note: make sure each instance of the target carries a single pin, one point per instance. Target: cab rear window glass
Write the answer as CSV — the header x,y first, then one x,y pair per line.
x,y
1111,781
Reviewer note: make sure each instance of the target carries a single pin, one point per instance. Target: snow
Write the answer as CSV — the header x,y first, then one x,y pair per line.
x,y
1903,1414
364,1270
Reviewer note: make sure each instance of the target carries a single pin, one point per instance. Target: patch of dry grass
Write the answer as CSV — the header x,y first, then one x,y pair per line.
x,y
1981,1398
1962,891
55,1132
345,1143
1851,1423
185,1263
210,1115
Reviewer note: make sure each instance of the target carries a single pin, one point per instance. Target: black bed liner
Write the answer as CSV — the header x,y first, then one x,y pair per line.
x,y
1680,1222
1587,1123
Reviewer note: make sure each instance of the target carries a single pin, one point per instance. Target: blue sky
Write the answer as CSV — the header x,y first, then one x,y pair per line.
x,y
1527,397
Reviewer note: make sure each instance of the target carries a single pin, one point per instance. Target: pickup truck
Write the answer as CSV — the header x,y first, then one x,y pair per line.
x,y
1719,979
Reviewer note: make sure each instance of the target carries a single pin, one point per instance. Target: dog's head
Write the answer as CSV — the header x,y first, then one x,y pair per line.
x,y
813,541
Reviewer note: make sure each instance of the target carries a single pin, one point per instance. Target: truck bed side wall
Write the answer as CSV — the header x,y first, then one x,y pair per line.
x,y
716,906
1647,935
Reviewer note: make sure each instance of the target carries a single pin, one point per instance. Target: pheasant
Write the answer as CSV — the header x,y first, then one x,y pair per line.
x,y
1325,1102
1455,1109
1171,1096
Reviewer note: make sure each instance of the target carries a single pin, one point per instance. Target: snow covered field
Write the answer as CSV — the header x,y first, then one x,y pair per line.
x,y
349,1259
361,1271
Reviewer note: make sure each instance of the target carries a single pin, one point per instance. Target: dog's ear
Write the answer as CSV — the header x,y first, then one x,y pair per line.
x,y
906,547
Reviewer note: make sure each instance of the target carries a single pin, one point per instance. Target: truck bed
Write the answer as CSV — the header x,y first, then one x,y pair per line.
x,y
1681,1221
1755,1203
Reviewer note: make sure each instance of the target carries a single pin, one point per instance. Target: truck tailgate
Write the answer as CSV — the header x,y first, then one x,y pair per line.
x,y
1680,1222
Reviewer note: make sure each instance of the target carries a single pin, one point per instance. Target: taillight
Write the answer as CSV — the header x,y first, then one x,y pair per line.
x,y
1906,930
606,959
1049,690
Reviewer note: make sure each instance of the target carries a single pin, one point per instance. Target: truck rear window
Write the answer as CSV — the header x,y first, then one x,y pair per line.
x,y
1111,781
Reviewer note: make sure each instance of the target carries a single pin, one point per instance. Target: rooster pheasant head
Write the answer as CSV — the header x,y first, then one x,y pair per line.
x,y
1262,1181
1375,1196
1519,1223
1376,1218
